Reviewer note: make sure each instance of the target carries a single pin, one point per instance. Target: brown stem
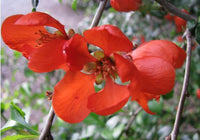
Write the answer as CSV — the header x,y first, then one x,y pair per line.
x,y
172,9
99,13
128,125
46,133
184,92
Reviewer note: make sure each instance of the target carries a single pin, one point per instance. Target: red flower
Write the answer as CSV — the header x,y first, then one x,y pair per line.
x,y
169,17
180,23
155,62
126,5
198,93
28,35
74,96
179,38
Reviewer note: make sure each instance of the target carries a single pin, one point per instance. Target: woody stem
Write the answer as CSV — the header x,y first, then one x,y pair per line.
x,y
99,13
184,91
172,9
46,130
128,125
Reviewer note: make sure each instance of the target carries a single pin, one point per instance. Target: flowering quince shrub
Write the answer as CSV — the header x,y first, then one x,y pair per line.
x,y
105,73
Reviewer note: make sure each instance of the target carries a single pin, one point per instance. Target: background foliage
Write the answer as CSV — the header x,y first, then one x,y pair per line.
x,y
24,108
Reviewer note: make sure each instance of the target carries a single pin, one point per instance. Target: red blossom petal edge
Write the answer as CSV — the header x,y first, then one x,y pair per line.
x,y
17,37
164,49
40,19
110,99
70,96
109,38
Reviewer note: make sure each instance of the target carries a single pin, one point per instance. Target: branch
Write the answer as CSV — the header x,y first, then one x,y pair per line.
x,y
99,13
130,122
46,130
172,9
184,92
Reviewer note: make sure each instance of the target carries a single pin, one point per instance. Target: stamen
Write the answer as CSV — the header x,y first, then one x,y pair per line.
x,y
105,67
45,37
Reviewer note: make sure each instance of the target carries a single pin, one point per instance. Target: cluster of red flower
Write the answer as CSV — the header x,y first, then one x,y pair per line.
x,y
148,70
179,22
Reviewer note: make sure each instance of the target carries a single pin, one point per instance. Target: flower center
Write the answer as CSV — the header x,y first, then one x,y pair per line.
x,y
104,67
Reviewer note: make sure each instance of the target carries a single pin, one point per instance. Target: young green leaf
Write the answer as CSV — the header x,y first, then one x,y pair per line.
x,y
74,5
17,137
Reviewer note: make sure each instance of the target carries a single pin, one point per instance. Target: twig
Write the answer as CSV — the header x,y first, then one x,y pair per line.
x,y
172,9
99,13
130,122
46,130
184,92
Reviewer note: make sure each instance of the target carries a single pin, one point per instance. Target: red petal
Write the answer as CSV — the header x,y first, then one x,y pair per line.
x,y
17,37
77,53
48,57
155,76
40,19
109,38
164,49
142,98
126,5
125,68
180,23
70,96
110,99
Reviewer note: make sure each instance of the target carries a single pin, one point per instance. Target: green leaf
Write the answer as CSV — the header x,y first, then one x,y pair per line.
x,y
3,55
18,115
197,33
168,95
156,107
28,72
107,134
117,130
74,5
94,119
2,107
9,125
15,108
17,55
25,89
19,137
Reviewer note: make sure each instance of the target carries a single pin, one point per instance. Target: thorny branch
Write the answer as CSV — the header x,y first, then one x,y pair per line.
x,y
184,93
172,9
130,122
46,133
